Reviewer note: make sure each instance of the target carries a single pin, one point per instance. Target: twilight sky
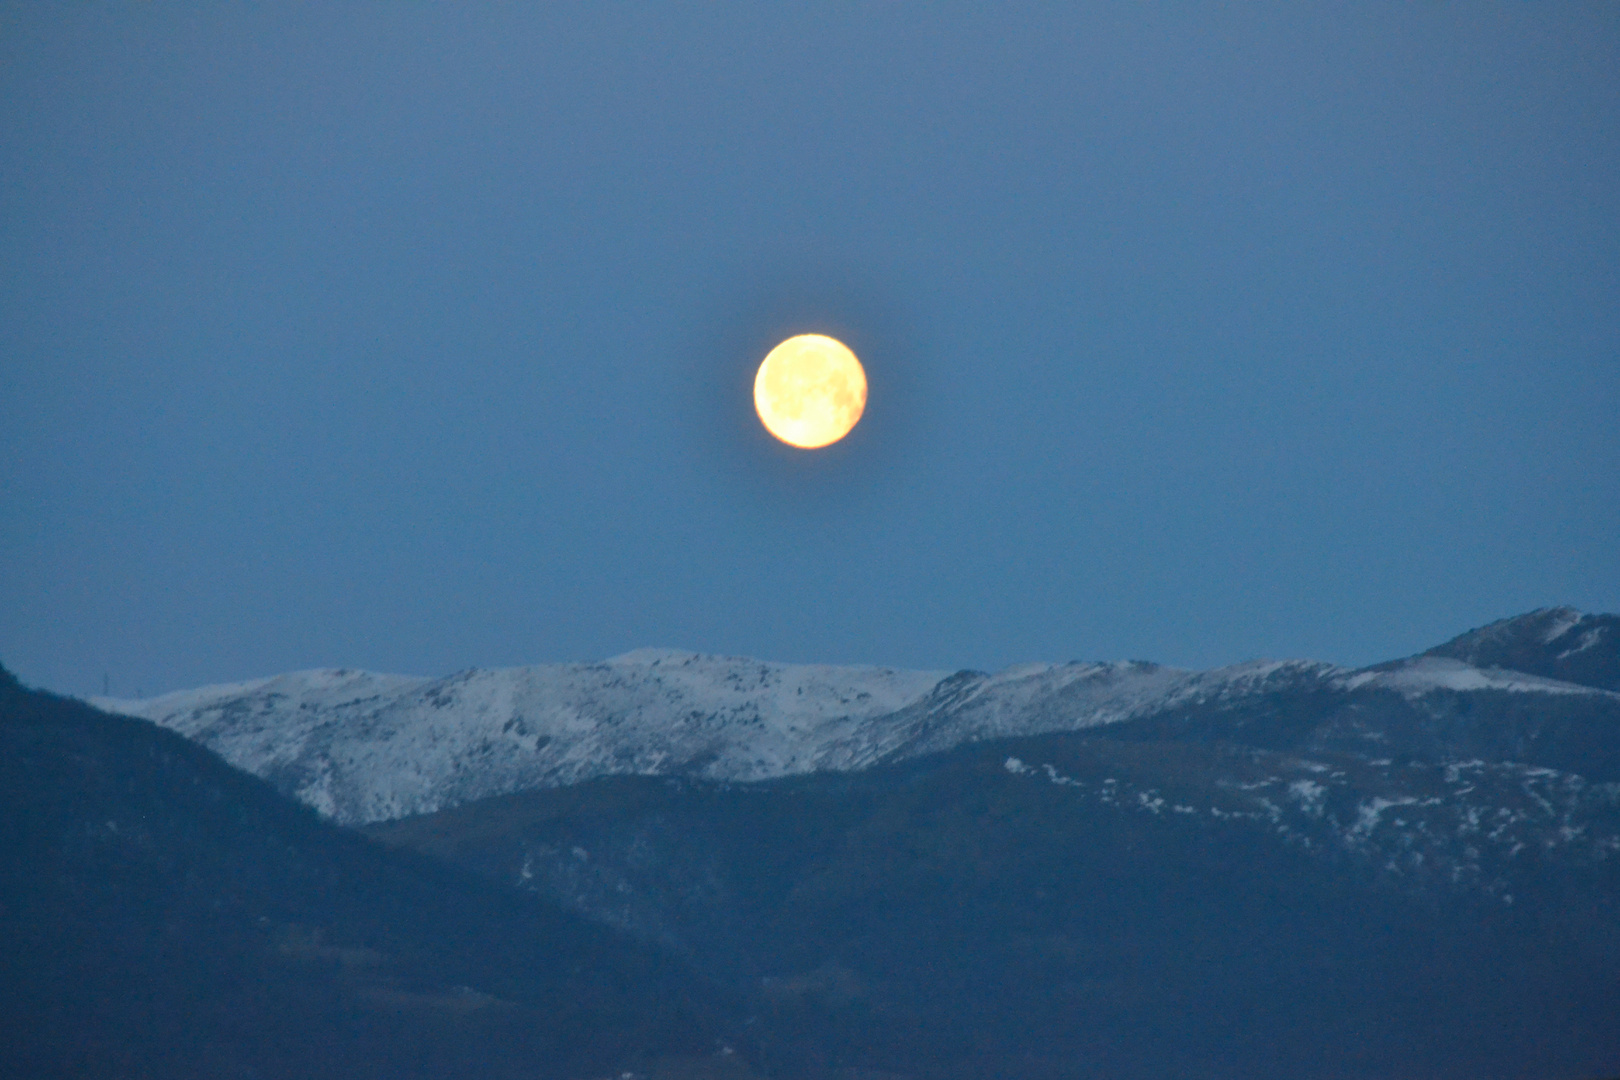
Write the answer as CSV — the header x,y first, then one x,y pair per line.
x,y
421,337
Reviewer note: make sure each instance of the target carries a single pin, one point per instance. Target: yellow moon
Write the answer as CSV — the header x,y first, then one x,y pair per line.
x,y
810,391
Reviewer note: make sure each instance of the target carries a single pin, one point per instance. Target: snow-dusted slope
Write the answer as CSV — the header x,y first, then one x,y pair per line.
x,y
1558,643
362,747
1424,674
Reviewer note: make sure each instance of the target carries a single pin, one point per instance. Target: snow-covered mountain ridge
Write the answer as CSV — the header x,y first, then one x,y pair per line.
x,y
364,747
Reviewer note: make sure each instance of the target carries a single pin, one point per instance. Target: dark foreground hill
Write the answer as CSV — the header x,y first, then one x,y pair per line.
x,y
163,915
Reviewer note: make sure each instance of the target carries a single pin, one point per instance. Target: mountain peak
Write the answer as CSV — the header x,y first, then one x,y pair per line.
x,y
1556,643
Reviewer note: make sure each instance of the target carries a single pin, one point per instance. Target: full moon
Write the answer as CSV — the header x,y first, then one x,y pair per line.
x,y
810,391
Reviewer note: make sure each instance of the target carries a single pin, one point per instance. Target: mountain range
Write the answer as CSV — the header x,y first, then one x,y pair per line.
x,y
362,747
686,866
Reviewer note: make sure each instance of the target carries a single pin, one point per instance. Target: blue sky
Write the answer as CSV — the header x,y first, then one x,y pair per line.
x,y
420,337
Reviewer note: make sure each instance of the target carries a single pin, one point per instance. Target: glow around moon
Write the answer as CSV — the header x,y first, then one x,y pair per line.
x,y
810,391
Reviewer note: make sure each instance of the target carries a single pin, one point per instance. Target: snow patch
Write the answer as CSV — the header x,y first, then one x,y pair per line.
x,y
1566,620
1588,640
1368,813
1309,794
1426,674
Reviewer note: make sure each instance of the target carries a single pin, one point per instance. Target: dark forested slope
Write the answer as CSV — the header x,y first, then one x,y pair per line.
x,y
164,915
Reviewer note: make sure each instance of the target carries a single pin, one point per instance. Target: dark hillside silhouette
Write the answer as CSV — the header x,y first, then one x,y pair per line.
x,y
163,915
